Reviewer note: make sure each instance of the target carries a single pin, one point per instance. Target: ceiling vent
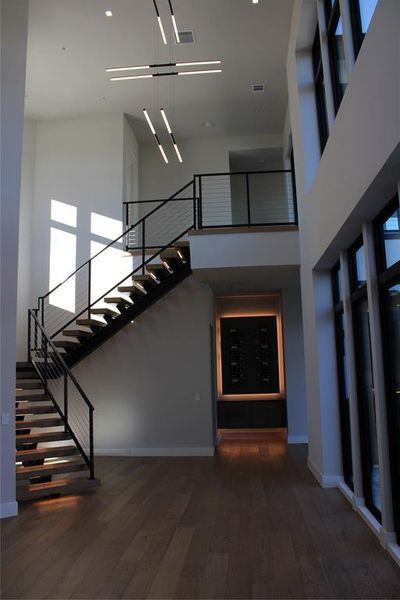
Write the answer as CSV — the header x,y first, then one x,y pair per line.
x,y
257,88
186,37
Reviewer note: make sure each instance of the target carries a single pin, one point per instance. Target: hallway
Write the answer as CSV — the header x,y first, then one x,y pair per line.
x,y
249,523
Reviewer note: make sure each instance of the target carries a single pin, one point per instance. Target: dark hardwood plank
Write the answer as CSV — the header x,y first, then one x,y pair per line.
x,y
250,522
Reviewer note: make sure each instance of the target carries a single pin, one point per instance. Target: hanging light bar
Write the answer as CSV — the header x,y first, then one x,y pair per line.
x,y
160,23
170,73
174,23
170,64
200,72
164,116
153,131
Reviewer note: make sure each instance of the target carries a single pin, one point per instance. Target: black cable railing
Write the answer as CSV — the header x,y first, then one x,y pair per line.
x,y
61,386
113,265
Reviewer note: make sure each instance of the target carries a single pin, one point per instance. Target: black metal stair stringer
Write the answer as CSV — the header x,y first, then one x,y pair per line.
x,y
127,315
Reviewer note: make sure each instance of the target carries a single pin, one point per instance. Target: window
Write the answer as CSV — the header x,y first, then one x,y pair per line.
x,y
361,15
365,381
319,85
344,402
336,50
387,229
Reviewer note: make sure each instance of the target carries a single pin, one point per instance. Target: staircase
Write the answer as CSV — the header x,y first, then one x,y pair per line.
x,y
47,454
85,334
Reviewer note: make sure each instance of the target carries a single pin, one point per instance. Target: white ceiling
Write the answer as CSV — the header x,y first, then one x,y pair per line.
x,y
251,39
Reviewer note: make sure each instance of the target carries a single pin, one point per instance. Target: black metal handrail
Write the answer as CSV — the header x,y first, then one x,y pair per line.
x,y
221,205
53,372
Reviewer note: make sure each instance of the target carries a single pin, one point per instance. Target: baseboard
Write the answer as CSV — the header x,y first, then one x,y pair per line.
x,y
370,520
325,481
8,509
394,551
179,451
297,439
346,491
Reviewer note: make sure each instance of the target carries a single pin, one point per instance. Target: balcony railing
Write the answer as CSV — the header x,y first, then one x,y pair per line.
x,y
245,199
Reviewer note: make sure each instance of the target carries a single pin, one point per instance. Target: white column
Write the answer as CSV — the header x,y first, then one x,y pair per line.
x,y
14,23
387,531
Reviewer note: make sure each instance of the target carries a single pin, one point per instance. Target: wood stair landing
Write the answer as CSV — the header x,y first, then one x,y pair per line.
x,y
48,460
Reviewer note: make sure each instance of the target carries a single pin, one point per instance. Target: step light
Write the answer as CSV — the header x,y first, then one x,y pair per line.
x,y
164,116
197,63
153,131
178,41
160,23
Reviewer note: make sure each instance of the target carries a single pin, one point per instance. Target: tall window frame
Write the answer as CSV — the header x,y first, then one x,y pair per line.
x,y
356,25
365,390
333,22
343,395
389,279
319,86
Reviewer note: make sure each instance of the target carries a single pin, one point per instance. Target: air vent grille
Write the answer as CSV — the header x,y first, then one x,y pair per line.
x,y
257,88
186,37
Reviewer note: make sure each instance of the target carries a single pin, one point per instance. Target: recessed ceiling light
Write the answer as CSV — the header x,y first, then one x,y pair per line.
x,y
208,124
255,1
108,13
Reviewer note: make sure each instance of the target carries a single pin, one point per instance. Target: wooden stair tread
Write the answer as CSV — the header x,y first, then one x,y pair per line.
x,y
141,278
55,468
32,409
182,244
156,267
29,396
105,311
28,383
169,253
66,344
77,333
33,423
58,486
90,323
48,452
38,438
131,289
117,299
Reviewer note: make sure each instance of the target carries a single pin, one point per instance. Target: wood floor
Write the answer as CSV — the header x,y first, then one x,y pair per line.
x,y
248,523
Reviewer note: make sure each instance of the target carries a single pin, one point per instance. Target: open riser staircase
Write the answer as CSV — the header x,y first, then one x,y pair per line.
x,y
54,417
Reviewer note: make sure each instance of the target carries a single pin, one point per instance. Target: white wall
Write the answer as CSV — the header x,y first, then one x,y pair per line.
x,y
158,180
79,161
143,381
14,22
350,183
256,249
25,235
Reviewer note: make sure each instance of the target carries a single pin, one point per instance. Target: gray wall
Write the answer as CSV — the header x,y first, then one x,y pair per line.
x,y
14,21
151,383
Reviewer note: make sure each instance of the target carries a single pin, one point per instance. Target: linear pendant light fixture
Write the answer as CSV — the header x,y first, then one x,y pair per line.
x,y
178,41
197,63
176,32
160,23
153,131
164,116
126,77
